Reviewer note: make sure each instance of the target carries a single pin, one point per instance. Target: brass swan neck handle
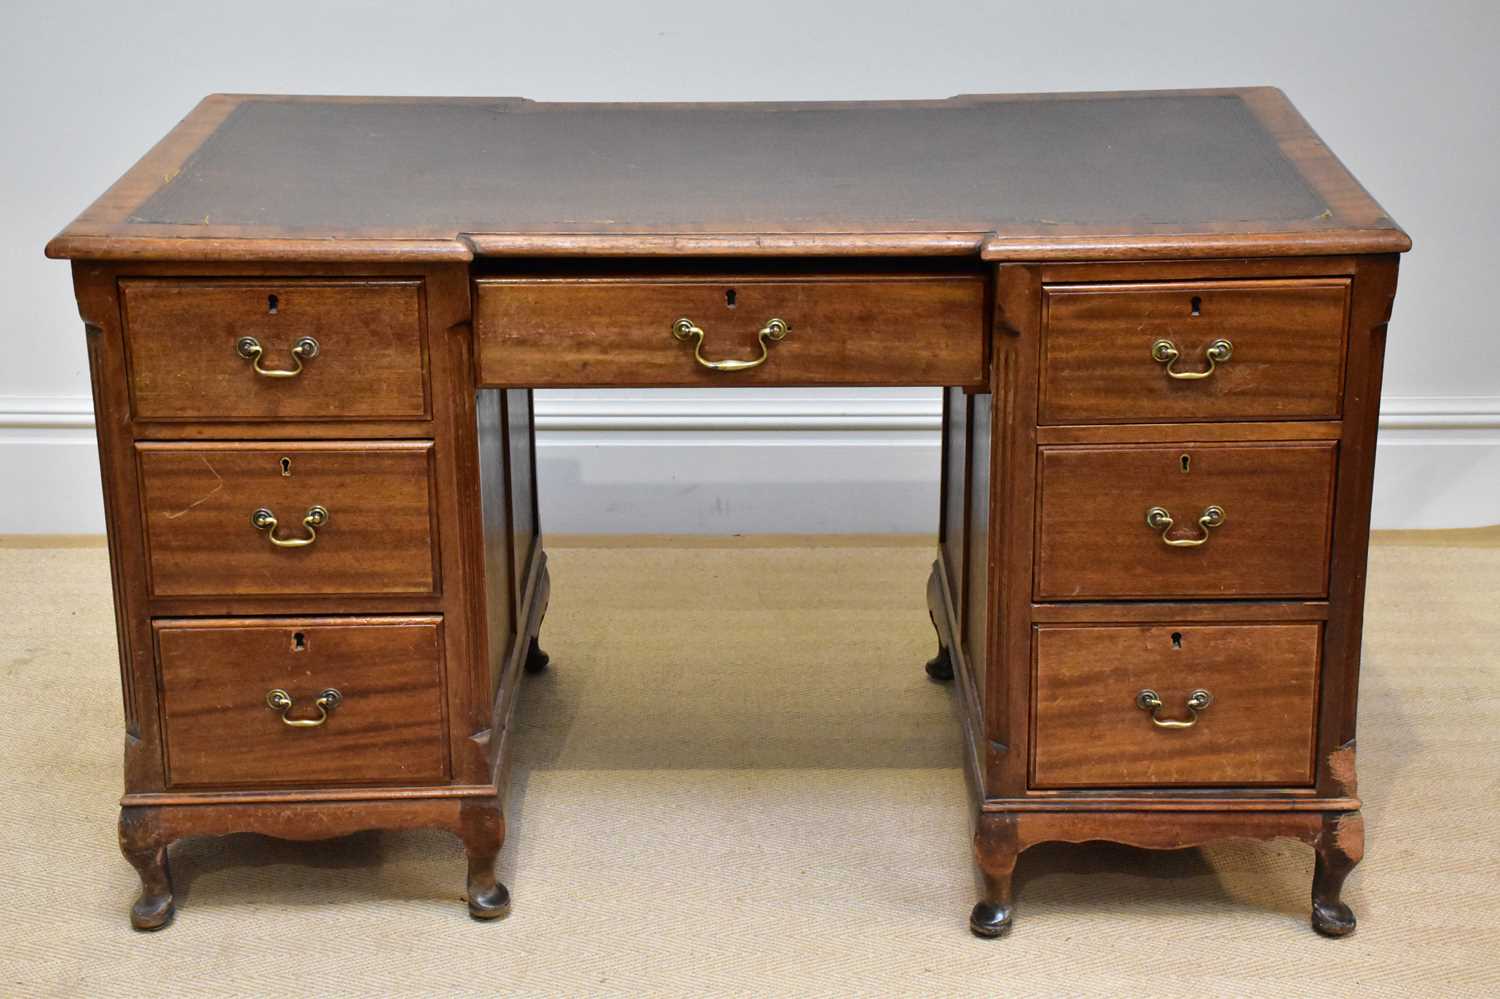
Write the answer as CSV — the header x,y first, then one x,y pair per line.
x,y
1149,700
316,516
773,331
1165,352
304,349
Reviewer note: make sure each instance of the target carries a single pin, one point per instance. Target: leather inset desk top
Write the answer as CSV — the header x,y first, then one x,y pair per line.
x,y
477,167
1173,173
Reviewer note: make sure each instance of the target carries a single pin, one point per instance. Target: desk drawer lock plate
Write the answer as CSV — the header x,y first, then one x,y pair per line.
x,y
1158,519
280,700
773,331
1150,700
1165,352
316,516
305,349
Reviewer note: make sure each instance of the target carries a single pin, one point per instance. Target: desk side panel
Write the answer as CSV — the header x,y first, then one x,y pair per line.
x,y
494,501
1370,312
953,514
1010,501
97,291
976,622
525,523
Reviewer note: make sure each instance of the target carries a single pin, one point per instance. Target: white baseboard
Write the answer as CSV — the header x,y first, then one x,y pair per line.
x,y
50,483
784,462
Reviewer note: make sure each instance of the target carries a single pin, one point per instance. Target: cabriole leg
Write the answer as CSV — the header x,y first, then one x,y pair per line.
x,y
1340,845
483,831
995,850
536,659
940,666
142,844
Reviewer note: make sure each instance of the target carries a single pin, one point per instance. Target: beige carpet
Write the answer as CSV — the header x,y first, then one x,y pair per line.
x,y
737,779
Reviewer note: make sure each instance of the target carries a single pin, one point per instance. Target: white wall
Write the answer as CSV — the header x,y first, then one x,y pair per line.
x,y
1404,93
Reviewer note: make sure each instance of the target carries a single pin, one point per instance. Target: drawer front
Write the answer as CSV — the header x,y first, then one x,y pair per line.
x,y
1284,359
886,331
1097,538
225,727
1258,728
376,536
186,360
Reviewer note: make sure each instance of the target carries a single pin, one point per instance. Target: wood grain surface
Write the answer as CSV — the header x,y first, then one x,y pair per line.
x,y
885,330
181,341
1258,730
1287,362
379,539
389,727
1093,541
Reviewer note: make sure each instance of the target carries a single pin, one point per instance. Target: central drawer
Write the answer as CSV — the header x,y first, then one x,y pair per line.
x,y
880,330
289,519
226,725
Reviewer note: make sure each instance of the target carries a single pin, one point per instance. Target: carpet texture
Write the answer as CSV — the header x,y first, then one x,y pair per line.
x,y
736,779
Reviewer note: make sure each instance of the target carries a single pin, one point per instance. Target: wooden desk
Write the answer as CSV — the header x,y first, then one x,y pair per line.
x,y
1158,319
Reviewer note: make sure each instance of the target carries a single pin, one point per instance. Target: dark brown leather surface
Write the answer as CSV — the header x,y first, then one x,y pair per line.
x,y
507,166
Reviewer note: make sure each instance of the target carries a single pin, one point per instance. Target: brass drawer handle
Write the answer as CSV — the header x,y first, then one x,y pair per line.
x,y
1158,519
265,520
1149,700
280,700
1165,352
775,330
306,348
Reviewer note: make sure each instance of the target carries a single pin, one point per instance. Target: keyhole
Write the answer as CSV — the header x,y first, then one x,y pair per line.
x,y
273,303
1197,305
729,298
1176,639
1186,461
299,642
286,468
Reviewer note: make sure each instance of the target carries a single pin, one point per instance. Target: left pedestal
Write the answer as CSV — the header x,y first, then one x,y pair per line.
x,y
297,472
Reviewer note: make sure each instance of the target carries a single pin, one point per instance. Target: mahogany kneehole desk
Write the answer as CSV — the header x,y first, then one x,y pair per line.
x,y
1157,319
